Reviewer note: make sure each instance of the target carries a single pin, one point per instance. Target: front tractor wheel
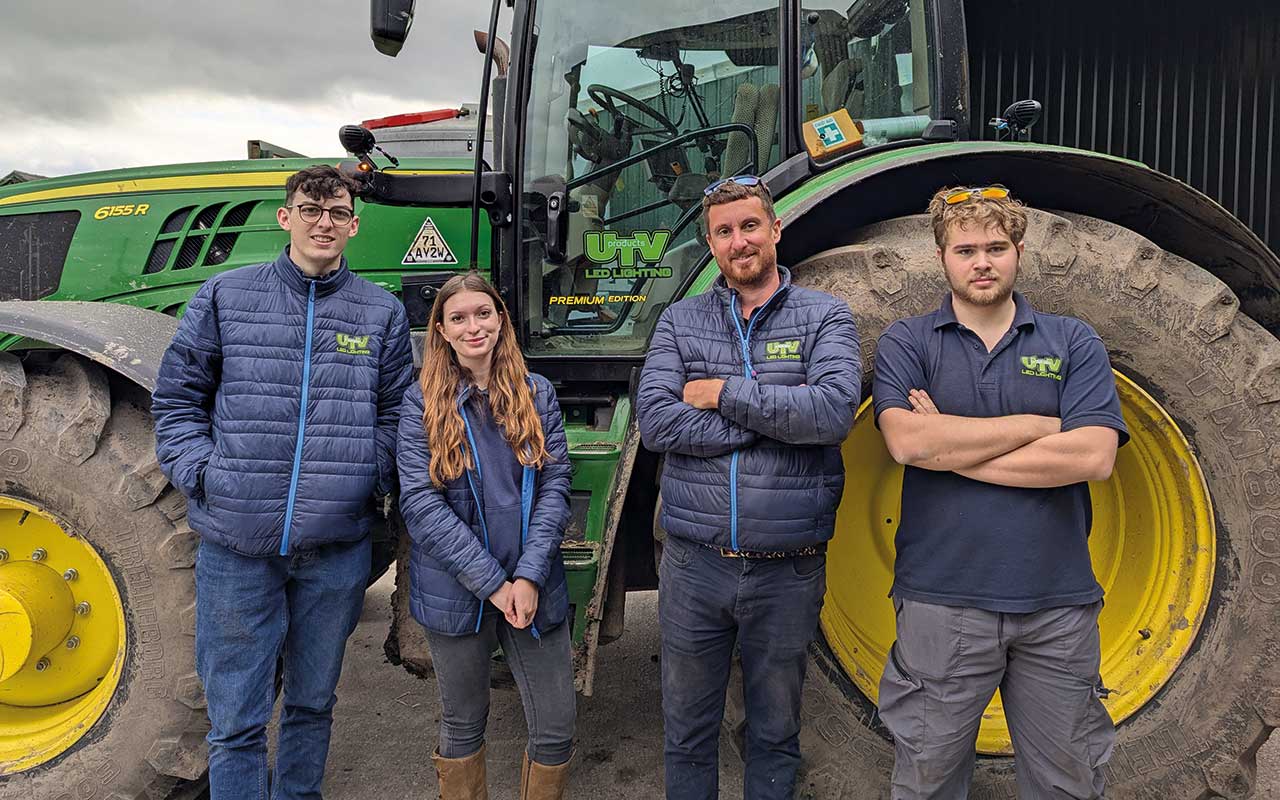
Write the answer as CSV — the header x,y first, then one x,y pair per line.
x,y
1186,533
98,692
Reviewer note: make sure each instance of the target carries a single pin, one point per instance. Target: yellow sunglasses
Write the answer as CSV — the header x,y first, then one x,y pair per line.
x,y
994,192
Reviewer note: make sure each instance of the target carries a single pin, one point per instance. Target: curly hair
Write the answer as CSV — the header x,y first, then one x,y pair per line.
x,y
510,395
319,182
1006,213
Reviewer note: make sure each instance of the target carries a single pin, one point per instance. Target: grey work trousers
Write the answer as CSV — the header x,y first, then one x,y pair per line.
x,y
945,667
543,669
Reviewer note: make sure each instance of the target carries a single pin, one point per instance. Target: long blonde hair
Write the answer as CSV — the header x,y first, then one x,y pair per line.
x,y
510,394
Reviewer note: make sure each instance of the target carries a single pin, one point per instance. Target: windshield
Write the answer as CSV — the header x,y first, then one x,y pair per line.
x,y
872,59
638,107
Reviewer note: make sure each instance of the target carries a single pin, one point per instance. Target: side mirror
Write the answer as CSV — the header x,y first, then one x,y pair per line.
x,y
389,24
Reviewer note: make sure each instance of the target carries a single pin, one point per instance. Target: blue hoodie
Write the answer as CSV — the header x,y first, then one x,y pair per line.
x,y
461,555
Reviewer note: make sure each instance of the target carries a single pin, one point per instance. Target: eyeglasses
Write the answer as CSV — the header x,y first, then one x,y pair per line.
x,y
338,215
741,180
993,192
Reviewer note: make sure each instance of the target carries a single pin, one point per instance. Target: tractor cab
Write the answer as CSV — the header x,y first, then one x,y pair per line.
x,y
635,110
614,118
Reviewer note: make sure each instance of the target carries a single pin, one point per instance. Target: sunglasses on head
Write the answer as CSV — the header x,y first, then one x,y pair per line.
x,y
741,180
993,192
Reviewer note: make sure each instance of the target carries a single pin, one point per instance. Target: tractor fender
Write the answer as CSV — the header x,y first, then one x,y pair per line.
x,y
124,339
1173,215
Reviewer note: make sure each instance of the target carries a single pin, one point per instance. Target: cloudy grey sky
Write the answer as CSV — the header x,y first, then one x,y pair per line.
x,y
102,84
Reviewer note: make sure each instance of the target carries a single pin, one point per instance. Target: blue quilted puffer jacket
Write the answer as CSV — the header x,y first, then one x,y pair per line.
x,y
457,561
763,472
277,403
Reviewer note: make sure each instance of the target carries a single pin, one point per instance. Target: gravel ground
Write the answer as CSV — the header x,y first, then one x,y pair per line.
x,y
386,723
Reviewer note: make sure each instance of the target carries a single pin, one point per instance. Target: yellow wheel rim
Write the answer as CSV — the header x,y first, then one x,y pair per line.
x,y
1152,547
61,637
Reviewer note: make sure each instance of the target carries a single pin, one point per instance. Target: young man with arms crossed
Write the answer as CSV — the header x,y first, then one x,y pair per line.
x,y
1001,415
276,412
749,390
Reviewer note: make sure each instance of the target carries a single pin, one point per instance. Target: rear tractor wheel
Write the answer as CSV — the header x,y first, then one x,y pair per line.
x,y
98,691
1186,533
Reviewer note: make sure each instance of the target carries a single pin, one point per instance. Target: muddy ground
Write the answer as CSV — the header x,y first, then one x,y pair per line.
x,y
386,723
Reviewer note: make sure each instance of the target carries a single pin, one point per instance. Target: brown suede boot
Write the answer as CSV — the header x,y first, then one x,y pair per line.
x,y
541,782
461,778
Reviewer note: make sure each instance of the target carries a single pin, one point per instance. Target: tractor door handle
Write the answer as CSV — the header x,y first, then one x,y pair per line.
x,y
555,198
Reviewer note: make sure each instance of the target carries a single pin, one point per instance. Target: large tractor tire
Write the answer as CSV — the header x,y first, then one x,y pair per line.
x,y
99,696
1186,538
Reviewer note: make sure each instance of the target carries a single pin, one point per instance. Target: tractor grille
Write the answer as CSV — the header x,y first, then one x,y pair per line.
x,y
199,236
159,256
33,249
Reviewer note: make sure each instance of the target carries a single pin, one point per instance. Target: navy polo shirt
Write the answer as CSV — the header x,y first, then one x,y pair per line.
x,y
962,542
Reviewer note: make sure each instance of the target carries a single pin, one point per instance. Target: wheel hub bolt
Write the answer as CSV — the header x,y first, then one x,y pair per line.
x,y
73,642
40,554
4,554
82,608
42,665
70,575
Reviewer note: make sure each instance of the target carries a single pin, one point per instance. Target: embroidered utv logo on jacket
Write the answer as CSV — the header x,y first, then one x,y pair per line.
x,y
782,350
353,345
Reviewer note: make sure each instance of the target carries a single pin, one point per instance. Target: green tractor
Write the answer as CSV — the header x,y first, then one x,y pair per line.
x,y
609,120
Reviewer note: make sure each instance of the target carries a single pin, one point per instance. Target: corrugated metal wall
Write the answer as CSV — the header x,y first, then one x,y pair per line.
x,y
1186,86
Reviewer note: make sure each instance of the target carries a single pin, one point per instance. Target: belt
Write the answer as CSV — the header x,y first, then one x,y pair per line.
x,y
811,550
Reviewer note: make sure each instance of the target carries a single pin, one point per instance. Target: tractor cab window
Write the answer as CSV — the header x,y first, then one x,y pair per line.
x,y
870,58
634,109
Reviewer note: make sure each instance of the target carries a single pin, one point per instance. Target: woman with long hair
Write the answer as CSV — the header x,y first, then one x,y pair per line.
x,y
484,491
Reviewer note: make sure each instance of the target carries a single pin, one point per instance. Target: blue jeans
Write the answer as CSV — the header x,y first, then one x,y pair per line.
x,y
543,669
250,612
770,607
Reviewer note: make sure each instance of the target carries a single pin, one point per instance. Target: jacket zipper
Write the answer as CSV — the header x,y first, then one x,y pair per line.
x,y
748,372
475,495
302,421
527,480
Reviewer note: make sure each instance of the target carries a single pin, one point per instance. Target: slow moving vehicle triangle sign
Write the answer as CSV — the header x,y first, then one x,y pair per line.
x,y
429,247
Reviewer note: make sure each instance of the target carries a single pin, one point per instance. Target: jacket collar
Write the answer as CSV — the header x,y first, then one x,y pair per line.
x,y
296,279
726,295
1023,313
467,388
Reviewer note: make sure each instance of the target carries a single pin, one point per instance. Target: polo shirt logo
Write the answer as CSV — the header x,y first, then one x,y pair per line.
x,y
1042,367
352,345
782,350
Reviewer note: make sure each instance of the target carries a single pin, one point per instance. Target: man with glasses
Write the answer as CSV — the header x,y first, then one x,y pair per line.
x,y
276,410
748,390
1001,415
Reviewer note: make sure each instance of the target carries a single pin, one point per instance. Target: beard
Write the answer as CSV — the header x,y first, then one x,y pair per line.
x,y
994,296
756,275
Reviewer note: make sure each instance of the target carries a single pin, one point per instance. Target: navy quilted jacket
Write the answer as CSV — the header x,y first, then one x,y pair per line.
x,y
276,406
763,472
457,561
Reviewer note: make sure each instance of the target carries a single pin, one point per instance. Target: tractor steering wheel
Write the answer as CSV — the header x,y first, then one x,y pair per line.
x,y
609,98
590,140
